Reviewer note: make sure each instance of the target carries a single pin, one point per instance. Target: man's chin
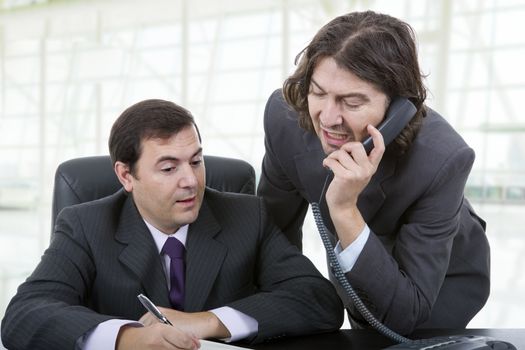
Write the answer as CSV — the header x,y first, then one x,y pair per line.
x,y
189,218
329,149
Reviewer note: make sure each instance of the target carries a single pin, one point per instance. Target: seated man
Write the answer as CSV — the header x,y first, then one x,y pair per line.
x,y
242,279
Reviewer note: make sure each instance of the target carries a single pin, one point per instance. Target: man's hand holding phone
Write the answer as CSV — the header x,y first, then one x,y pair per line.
x,y
352,169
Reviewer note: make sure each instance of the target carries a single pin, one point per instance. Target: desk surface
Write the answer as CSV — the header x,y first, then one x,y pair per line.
x,y
360,339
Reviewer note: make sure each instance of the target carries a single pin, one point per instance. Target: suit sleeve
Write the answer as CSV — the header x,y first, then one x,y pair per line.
x,y
47,311
400,289
292,298
286,205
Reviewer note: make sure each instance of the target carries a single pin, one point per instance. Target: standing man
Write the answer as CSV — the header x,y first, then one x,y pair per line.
x,y
409,242
235,275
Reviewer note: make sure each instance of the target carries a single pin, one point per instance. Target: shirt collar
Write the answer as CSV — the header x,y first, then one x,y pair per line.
x,y
160,237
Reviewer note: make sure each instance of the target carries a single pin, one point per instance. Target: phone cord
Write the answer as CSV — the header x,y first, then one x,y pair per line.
x,y
337,271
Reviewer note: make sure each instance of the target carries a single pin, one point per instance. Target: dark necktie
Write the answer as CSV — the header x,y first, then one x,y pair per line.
x,y
175,250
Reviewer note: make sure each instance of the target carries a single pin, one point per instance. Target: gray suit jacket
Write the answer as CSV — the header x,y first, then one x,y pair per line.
x,y
426,263
103,256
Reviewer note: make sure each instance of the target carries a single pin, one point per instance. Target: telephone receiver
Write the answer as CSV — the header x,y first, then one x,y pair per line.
x,y
399,113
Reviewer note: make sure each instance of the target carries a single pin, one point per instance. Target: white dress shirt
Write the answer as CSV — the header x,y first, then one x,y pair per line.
x,y
349,255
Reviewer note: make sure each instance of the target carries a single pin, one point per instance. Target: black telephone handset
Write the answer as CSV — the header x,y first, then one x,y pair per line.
x,y
399,113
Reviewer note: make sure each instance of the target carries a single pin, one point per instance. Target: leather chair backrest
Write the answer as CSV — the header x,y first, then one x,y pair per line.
x,y
85,179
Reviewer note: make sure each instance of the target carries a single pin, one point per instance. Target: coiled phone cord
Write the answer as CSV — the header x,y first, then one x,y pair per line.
x,y
341,278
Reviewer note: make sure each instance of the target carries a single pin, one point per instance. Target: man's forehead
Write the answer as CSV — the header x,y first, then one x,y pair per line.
x,y
180,145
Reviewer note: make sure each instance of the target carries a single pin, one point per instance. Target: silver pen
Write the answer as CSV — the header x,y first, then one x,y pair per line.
x,y
153,309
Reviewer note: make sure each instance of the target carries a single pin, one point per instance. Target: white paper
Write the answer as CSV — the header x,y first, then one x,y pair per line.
x,y
210,345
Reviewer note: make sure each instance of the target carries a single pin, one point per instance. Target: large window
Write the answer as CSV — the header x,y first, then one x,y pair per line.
x,y
67,70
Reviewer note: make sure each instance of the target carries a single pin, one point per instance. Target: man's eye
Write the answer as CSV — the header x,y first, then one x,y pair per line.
x,y
317,93
168,169
196,162
351,105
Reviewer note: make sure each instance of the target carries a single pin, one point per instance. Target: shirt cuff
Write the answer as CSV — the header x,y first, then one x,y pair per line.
x,y
238,324
348,257
104,336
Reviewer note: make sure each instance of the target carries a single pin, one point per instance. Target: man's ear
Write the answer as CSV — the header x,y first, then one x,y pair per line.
x,y
124,175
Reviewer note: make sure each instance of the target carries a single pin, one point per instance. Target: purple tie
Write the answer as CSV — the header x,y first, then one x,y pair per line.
x,y
175,250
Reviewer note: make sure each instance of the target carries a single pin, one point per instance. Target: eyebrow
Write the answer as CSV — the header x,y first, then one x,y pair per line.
x,y
358,95
175,159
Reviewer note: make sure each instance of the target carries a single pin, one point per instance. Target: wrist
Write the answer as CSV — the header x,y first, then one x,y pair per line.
x,y
213,327
126,337
349,223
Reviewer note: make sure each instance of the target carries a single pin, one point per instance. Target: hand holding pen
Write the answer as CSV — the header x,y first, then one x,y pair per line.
x,y
153,310
203,324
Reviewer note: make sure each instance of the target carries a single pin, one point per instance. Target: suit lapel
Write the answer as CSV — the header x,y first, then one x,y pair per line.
x,y
309,167
204,258
140,254
373,196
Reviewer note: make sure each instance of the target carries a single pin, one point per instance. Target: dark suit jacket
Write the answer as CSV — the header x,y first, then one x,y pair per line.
x,y
426,263
102,256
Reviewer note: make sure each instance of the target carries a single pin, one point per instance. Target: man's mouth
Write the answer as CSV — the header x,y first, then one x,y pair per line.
x,y
187,200
336,138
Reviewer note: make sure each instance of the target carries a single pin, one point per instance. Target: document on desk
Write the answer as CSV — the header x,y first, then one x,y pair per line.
x,y
211,345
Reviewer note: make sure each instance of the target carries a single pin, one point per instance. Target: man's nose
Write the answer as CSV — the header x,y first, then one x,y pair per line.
x,y
331,113
188,176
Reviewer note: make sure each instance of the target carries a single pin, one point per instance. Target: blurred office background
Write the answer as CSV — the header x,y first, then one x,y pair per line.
x,y
68,68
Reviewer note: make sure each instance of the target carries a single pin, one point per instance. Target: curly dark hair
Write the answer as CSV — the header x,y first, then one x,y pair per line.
x,y
377,48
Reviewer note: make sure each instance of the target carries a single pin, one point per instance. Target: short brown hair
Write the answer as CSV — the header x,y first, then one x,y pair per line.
x,y
144,120
377,48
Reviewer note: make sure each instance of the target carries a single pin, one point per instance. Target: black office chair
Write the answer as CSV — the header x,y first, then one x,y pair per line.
x,y
85,179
